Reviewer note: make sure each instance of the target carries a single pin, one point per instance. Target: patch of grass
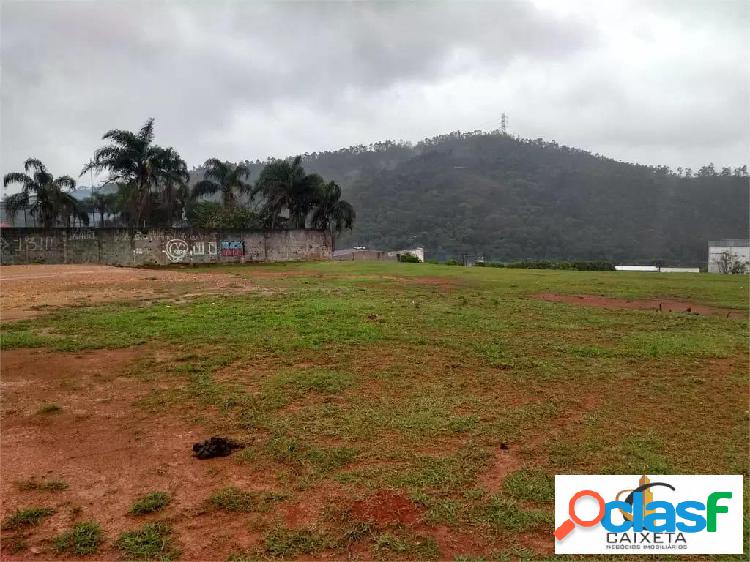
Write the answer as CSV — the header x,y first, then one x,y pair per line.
x,y
26,517
42,486
233,499
508,514
152,541
155,501
20,335
317,459
451,473
287,543
387,545
641,454
461,424
444,511
323,381
83,539
49,409
533,485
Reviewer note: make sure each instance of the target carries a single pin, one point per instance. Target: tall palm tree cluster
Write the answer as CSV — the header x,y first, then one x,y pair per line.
x,y
153,189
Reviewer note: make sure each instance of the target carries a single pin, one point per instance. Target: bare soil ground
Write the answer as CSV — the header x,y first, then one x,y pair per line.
x,y
30,290
109,451
656,305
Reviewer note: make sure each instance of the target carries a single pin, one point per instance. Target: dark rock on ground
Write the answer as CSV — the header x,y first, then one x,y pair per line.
x,y
215,447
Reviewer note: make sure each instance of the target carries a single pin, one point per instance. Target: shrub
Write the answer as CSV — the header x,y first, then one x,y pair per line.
x,y
208,214
155,501
83,539
408,258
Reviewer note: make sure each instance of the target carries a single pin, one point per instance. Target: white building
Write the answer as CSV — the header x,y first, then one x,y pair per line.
x,y
738,250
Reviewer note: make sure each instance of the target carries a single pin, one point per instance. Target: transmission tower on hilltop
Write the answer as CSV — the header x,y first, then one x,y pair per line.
x,y
504,124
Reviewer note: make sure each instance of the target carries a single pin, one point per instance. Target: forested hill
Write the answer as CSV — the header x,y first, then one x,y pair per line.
x,y
509,199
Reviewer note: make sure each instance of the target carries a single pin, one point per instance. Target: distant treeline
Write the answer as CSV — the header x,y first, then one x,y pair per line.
x,y
546,264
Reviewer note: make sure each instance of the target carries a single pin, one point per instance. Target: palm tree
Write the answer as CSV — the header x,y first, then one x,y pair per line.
x,y
138,166
331,213
222,177
102,203
174,179
44,194
285,185
17,202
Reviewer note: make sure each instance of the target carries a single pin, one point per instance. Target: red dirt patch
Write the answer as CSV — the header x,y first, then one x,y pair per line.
x,y
110,452
505,462
385,507
656,305
31,290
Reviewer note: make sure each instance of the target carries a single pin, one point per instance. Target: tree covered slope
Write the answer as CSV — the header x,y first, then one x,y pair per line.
x,y
506,198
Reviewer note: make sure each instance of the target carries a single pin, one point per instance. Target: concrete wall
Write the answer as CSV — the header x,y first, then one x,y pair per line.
x,y
363,255
158,246
741,253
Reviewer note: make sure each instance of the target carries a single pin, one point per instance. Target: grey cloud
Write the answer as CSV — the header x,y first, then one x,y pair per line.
x,y
247,80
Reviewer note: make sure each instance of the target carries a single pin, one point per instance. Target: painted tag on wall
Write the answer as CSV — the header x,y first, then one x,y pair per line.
x,y
232,248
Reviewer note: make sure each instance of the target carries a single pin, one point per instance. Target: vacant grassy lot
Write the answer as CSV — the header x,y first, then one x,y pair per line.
x,y
389,411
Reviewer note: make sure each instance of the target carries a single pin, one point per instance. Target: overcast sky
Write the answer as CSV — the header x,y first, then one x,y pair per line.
x,y
653,82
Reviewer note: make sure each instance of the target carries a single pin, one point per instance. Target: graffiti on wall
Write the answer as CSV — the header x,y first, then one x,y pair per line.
x,y
82,235
32,244
203,248
232,248
176,250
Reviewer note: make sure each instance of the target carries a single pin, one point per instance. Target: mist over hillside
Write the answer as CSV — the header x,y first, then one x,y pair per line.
x,y
507,198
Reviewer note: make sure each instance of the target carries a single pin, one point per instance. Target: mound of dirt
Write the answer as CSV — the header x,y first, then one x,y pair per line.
x,y
385,507
656,305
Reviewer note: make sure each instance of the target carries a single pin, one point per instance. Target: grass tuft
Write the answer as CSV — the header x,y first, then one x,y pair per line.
x,y
26,517
152,541
287,543
83,539
388,545
49,409
155,501
235,500
42,486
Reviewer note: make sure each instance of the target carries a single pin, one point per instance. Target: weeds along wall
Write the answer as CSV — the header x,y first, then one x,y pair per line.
x,y
159,246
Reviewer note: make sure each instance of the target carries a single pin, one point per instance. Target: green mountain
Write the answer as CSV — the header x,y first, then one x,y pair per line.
x,y
509,199
512,199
